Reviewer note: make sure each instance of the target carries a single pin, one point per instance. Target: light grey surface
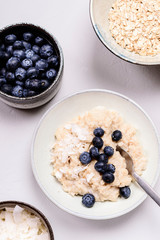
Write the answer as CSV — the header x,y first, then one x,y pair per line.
x,y
88,64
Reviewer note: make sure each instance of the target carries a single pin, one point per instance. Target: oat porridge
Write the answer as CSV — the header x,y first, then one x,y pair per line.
x,y
135,25
84,156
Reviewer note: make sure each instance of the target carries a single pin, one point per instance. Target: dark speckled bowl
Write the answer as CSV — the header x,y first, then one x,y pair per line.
x,y
30,209
49,93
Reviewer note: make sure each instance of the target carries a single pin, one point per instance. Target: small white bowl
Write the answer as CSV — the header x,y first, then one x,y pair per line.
x,y
64,111
32,210
99,10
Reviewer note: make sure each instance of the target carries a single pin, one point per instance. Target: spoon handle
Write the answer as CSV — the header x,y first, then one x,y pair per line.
x,y
147,188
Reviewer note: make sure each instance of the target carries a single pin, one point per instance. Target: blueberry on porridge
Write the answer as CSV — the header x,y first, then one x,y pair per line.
x,y
88,200
125,192
108,151
85,160
97,142
103,157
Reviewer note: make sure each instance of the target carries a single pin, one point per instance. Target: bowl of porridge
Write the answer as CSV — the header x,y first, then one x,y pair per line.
x,y
129,29
74,157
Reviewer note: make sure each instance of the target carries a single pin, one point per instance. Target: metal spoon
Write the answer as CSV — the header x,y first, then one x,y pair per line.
x,y
129,165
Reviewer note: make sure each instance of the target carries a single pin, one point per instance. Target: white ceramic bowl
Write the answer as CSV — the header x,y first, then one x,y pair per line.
x,y
64,111
99,10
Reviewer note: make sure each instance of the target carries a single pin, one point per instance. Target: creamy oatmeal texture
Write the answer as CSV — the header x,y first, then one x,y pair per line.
x,y
76,136
135,25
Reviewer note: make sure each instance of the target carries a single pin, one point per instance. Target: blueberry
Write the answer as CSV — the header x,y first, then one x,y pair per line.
x,y
27,83
27,36
46,51
109,151
2,81
32,84
110,168
35,58
32,72
18,45
116,135
6,88
100,166
10,77
36,48
27,63
41,65
98,132
53,61
94,153
20,73
13,63
10,39
25,92
108,177
85,158
42,75
3,72
19,54
51,74
125,192
6,56
31,93
39,41
44,84
2,55
17,91
28,93
2,47
26,45
88,200
103,157
20,83
97,142
9,49
29,53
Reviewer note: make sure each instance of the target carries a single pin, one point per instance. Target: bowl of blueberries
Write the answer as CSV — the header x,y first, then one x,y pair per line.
x,y
31,66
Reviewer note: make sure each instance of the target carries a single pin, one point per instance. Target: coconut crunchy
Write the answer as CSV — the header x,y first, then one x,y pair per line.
x,y
135,25
76,136
17,223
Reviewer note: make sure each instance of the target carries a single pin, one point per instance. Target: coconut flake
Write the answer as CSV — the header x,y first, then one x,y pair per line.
x,y
58,174
17,214
89,177
68,126
80,132
79,169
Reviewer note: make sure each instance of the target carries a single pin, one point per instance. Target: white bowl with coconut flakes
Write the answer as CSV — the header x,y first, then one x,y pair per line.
x,y
114,22
19,220
66,110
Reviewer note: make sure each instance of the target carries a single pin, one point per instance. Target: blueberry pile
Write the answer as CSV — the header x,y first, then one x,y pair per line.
x,y
102,166
29,65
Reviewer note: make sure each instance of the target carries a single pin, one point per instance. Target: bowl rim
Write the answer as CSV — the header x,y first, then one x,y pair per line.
x,y
43,188
60,70
123,57
24,205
